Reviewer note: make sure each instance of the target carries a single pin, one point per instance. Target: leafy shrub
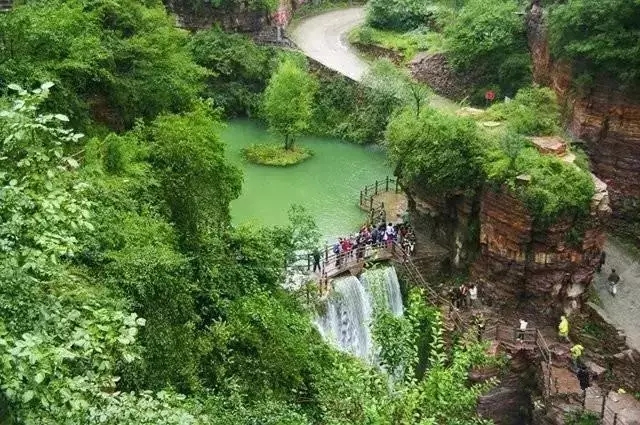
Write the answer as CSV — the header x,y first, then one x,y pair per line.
x,y
111,61
489,35
239,69
598,36
398,14
582,418
556,188
406,43
436,150
269,154
533,112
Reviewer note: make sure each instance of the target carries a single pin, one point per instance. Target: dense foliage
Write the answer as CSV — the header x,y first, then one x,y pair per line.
x,y
445,155
128,297
398,14
288,101
238,69
435,149
533,112
113,62
601,37
488,37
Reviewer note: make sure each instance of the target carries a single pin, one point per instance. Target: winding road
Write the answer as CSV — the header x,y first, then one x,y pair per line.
x,y
324,38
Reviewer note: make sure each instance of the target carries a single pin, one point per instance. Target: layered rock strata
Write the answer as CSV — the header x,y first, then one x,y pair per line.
x,y
606,116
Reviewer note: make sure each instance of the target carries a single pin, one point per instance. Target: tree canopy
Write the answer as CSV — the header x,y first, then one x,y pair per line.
x,y
111,62
288,101
601,37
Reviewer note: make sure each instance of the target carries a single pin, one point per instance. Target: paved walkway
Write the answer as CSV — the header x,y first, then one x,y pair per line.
x,y
324,38
624,308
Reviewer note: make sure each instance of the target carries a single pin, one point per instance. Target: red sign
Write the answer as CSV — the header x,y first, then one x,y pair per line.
x,y
490,95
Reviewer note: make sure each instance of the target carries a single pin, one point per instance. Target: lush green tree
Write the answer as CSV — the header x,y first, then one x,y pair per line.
x,y
395,86
113,62
239,69
598,37
196,180
488,37
437,150
398,14
288,101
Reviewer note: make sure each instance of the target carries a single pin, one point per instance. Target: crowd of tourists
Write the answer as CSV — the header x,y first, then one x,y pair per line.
x,y
358,246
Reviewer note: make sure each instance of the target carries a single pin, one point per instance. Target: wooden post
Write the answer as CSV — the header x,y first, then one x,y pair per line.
x,y
308,261
387,185
604,404
376,188
360,198
615,419
326,253
366,190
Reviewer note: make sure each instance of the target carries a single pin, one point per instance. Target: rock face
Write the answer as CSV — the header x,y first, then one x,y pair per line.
x,y
201,15
434,70
606,117
451,223
545,271
510,402
264,26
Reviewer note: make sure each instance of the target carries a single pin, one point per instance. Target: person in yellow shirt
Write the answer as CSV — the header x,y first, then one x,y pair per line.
x,y
563,328
576,351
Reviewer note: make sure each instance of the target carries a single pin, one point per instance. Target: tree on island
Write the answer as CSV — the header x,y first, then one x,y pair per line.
x,y
288,101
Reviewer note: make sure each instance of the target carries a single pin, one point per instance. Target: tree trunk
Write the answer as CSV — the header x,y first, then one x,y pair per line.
x,y
288,142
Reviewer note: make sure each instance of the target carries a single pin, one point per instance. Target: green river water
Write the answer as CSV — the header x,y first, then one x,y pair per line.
x,y
327,185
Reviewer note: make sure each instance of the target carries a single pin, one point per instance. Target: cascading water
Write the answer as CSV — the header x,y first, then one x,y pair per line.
x,y
352,305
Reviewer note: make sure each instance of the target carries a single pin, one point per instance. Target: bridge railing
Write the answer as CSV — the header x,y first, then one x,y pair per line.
x,y
368,193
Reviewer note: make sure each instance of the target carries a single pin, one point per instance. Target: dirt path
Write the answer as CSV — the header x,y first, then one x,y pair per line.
x,y
624,308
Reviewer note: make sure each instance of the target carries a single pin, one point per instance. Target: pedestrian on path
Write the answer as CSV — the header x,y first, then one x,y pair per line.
x,y
473,295
583,378
563,328
521,331
576,355
316,260
601,261
613,280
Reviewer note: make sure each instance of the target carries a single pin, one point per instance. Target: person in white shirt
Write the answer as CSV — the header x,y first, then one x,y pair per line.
x,y
473,295
523,328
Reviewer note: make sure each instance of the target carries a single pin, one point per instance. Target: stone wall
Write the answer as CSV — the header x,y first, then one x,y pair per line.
x,y
541,269
606,117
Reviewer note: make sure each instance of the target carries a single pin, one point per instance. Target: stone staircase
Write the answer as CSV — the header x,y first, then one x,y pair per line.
x,y
5,5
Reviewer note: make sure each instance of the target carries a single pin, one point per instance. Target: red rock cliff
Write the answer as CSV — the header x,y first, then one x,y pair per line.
x,y
543,271
606,117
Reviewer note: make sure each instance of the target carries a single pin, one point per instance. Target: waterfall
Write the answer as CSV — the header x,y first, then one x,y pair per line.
x,y
351,307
